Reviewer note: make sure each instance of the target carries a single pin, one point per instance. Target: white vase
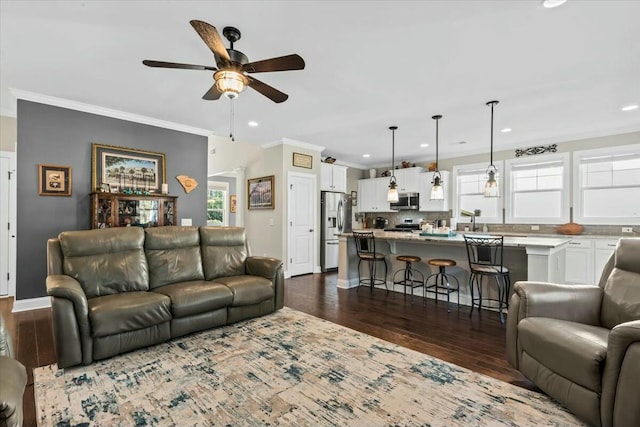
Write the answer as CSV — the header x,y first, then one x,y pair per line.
x,y
372,173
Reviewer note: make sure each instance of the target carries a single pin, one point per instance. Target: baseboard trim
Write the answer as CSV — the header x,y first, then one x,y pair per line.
x,y
31,304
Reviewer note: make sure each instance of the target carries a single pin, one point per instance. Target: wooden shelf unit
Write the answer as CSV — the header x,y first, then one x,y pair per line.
x,y
123,210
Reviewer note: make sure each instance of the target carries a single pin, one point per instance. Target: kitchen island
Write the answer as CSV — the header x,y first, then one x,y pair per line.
x,y
528,258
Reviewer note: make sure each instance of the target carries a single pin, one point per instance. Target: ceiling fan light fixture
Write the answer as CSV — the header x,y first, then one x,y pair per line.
x,y
230,83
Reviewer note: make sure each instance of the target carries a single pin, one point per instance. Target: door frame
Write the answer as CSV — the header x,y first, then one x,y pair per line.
x,y
13,202
314,220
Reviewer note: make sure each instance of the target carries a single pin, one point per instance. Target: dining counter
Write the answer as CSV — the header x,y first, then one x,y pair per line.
x,y
527,257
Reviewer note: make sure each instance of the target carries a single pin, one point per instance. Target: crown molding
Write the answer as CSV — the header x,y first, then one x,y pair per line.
x,y
107,112
294,143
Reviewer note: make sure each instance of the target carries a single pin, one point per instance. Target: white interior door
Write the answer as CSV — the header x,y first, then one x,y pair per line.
x,y
7,225
302,220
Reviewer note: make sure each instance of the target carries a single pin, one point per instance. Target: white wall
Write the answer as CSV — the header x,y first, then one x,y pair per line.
x,y
8,133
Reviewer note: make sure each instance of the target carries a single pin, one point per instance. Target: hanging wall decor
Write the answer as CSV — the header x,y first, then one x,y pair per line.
x,y
539,149
189,184
54,180
133,171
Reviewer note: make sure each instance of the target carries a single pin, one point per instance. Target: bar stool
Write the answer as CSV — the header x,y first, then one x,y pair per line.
x,y
441,282
366,250
486,260
409,273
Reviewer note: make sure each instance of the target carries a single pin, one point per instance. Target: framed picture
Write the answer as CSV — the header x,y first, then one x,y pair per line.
x,y
114,188
261,194
354,198
127,168
105,188
302,160
233,206
54,180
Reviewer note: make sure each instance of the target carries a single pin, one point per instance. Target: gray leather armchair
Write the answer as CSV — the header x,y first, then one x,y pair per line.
x,y
581,344
13,379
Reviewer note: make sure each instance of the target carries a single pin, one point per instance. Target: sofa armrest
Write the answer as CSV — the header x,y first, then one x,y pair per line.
x,y
621,376
71,328
269,268
13,379
575,303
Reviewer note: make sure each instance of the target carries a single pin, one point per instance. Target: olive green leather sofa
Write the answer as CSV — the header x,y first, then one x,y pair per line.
x,y
581,344
13,380
120,289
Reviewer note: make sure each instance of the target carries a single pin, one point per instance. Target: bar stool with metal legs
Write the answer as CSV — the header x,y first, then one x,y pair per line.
x,y
366,250
409,275
441,284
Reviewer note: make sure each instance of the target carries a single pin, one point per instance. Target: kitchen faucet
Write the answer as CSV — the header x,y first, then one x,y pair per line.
x,y
473,216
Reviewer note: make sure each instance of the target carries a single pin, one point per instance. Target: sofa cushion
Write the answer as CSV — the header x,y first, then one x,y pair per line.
x,y
247,289
574,350
115,314
195,297
621,300
106,261
173,255
224,251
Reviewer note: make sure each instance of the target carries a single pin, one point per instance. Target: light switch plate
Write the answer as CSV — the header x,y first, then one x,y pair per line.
x,y
627,229
185,222
535,228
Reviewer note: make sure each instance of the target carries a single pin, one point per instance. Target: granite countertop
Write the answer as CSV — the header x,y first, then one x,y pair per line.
x,y
509,241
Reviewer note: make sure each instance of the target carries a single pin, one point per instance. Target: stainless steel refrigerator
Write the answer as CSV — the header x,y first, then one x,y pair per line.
x,y
335,219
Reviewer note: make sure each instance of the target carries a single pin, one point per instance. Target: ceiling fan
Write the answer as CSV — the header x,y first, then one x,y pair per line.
x,y
232,74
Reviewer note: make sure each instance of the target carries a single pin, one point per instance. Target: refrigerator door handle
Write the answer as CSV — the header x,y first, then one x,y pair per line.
x,y
340,216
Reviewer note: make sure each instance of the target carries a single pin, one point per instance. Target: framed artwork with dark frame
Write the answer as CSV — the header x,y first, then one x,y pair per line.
x,y
54,180
261,193
127,168
233,204
303,160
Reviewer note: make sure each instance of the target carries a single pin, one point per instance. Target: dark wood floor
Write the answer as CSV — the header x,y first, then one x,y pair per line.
x,y
476,342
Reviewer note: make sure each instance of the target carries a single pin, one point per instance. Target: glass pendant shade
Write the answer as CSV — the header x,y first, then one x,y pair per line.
x,y
491,187
437,191
392,195
230,83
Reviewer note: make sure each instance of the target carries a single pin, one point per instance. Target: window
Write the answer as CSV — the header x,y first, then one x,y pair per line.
x,y
607,185
537,190
217,203
469,193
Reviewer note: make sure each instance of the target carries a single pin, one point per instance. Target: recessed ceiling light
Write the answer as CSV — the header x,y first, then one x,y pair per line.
x,y
549,4
424,145
366,156
630,107
505,130
462,142
253,124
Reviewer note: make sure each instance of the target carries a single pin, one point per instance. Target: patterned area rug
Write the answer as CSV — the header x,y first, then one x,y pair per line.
x,y
287,368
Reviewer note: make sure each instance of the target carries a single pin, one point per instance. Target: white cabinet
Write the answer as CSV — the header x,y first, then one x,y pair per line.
x,y
424,186
407,179
579,262
603,250
333,177
372,195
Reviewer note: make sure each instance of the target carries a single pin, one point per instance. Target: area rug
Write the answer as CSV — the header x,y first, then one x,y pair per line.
x,y
287,368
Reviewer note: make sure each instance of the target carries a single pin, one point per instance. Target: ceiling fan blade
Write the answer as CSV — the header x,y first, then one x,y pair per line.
x,y
282,63
211,37
212,94
270,92
163,64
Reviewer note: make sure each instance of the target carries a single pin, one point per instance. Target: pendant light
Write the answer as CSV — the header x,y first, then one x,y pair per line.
x,y
437,192
491,187
392,195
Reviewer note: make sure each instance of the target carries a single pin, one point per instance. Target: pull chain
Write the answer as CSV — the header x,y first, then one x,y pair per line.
x,y
231,121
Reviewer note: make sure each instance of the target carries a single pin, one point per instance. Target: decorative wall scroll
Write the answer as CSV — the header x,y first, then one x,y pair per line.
x,y
539,149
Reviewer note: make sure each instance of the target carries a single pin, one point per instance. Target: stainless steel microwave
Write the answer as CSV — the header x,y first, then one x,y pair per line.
x,y
406,201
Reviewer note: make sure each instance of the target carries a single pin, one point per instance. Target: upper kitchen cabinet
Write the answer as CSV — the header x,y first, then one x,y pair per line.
x,y
372,195
407,179
333,177
424,185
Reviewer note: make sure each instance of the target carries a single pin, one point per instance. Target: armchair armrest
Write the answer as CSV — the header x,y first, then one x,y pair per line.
x,y
575,303
269,268
71,328
13,379
621,376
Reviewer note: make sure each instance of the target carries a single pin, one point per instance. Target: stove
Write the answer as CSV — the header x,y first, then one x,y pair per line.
x,y
406,227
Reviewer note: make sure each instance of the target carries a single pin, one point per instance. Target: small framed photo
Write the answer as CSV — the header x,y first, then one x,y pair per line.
x,y
105,188
233,203
261,193
302,160
354,198
54,180
114,188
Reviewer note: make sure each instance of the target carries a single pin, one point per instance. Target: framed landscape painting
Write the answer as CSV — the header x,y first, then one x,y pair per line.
x,y
261,193
127,168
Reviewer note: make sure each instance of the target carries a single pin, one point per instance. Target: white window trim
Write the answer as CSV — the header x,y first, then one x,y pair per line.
x,y
212,185
566,185
454,191
577,194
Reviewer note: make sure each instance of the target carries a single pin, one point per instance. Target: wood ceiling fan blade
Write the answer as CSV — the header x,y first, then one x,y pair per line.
x,y
269,91
212,94
164,64
282,63
212,39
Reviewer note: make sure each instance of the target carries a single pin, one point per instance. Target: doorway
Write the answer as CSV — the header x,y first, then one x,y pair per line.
x,y
7,224
302,220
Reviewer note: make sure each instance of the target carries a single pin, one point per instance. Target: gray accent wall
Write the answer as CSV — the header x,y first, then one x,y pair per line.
x,y
63,137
